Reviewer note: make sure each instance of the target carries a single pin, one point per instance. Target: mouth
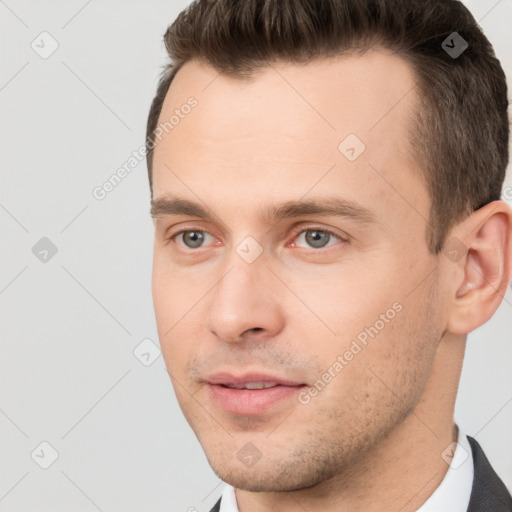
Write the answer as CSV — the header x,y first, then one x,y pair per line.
x,y
252,385
251,395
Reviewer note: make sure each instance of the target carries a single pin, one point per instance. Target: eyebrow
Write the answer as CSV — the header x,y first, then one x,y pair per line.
x,y
324,206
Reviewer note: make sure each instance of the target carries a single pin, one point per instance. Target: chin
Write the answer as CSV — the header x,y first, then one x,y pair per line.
x,y
278,474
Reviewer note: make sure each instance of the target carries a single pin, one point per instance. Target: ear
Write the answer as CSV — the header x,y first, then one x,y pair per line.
x,y
482,248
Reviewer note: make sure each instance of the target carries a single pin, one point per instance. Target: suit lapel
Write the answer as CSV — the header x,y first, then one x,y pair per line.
x,y
489,492
216,507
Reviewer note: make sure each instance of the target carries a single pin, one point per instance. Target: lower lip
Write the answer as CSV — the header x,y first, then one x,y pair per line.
x,y
250,402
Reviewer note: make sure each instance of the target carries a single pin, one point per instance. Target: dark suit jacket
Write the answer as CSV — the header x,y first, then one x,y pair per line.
x,y
488,494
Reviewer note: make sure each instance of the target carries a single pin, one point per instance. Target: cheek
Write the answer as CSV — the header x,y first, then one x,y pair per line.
x,y
383,338
176,292
174,304
343,305
380,380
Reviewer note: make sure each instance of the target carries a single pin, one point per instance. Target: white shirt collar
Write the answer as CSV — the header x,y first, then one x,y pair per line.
x,y
454,491
228,503
452,494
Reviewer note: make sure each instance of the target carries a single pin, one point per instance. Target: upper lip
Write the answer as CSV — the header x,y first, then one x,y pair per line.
x,y
228,379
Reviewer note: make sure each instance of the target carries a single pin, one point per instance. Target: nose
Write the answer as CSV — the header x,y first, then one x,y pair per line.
x,y
245,303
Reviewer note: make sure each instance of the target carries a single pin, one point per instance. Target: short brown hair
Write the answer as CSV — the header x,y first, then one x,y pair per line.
x,y
461,128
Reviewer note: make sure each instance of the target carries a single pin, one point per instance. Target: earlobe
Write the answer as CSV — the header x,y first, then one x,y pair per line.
x,y
486,267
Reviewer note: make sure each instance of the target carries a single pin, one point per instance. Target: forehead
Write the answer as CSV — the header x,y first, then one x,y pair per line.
x,y
333,124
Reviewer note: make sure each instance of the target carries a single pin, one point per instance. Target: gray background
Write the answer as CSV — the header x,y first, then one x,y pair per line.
x,y
69,325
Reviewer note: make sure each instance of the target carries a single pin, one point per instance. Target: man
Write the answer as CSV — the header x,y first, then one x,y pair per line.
x,y
326,182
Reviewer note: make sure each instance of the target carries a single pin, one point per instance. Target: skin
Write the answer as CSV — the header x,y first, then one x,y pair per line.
x,y
372,439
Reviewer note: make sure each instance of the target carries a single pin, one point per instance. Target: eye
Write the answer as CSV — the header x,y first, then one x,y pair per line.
x,y
316,238
312,238
192,239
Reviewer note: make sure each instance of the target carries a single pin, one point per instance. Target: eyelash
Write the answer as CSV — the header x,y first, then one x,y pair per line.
x,y
294,235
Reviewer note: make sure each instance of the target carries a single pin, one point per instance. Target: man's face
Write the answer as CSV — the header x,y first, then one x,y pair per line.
x,y
346,323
